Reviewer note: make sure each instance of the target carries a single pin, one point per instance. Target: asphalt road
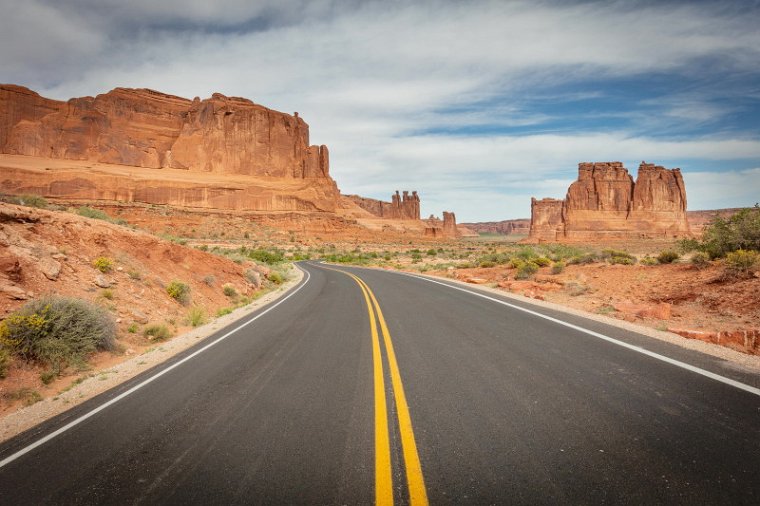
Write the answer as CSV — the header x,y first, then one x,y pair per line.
x,y
484,404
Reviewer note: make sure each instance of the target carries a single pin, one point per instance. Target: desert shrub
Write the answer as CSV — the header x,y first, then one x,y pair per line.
x,y
132,328
558,252
107,294
526,270
89,212
742,263
739,232
223,311
209,280
58,330
157,332
647,260
276,277
668,257
558,267
687,245
587,258
622,260
178,291
526,253
134,275
700,260
103,264
26,200
229,291
487,264
542,261
620,257
431,252
5,360
196,316
48,376
266,256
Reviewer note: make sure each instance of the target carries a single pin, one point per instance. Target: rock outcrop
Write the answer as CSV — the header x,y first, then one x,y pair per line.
x,y
435,227
605,203
505,227
218,137
401,207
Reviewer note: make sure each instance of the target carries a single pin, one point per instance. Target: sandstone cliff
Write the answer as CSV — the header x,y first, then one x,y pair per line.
x,y
505,227
220,136
606,203
406,207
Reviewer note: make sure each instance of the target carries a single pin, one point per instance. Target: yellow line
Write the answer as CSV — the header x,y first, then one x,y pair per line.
x,y
414,477
383,479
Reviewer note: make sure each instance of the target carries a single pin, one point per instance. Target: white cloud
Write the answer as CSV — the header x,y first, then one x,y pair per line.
x,y
368,78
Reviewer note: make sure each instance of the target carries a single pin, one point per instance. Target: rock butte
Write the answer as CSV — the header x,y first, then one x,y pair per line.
x,y
605,203
506,227
143,146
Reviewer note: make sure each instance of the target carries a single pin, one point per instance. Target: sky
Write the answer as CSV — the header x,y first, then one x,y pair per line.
x,y
477,105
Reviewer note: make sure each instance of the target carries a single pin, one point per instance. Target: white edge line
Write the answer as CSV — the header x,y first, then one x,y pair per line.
x,y
677,363
119,397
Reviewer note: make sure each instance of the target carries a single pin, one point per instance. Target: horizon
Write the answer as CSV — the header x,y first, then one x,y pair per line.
x,y
478,106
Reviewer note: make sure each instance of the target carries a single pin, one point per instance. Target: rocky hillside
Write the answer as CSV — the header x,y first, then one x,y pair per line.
x,y
44,252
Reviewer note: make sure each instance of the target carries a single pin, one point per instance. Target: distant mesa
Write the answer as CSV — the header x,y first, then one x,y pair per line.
x,y
504,227
605,203
401,207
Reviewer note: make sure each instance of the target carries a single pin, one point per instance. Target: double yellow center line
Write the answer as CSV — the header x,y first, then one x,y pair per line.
x,y
383,478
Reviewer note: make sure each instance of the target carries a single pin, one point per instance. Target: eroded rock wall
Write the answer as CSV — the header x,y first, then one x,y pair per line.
x,y
605,203
220,136
401,207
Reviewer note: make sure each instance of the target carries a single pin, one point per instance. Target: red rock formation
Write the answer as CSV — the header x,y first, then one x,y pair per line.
x,y
505,227
450,225
546,222
406,207
605,203
222,137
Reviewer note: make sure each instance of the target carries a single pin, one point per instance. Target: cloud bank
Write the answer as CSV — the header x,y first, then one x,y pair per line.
x,y
477,104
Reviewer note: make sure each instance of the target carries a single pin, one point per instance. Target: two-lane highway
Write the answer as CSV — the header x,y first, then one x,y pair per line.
x,y
380,387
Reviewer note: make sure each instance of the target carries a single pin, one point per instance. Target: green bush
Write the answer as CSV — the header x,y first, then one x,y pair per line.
x,y
558,267
5,360
487,264
209,280
26,200
107,294
58,331
431,252
526,270
196,316
687,245
542,261
103,264
618,257
157,332
622,260
89,212
588,258
668,257
647,260
178,291
276,278
739,232
700,260
229,291
266,256
132,328
742,263
223,311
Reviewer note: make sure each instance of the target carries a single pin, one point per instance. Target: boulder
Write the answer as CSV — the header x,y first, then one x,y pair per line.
x,y
50,268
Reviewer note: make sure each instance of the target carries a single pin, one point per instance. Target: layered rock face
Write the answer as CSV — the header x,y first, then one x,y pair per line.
x,y
505,227
435,227
223,136
606,203
406,207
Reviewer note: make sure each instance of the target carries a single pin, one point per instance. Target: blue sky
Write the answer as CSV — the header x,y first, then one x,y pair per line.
x,y
478,105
